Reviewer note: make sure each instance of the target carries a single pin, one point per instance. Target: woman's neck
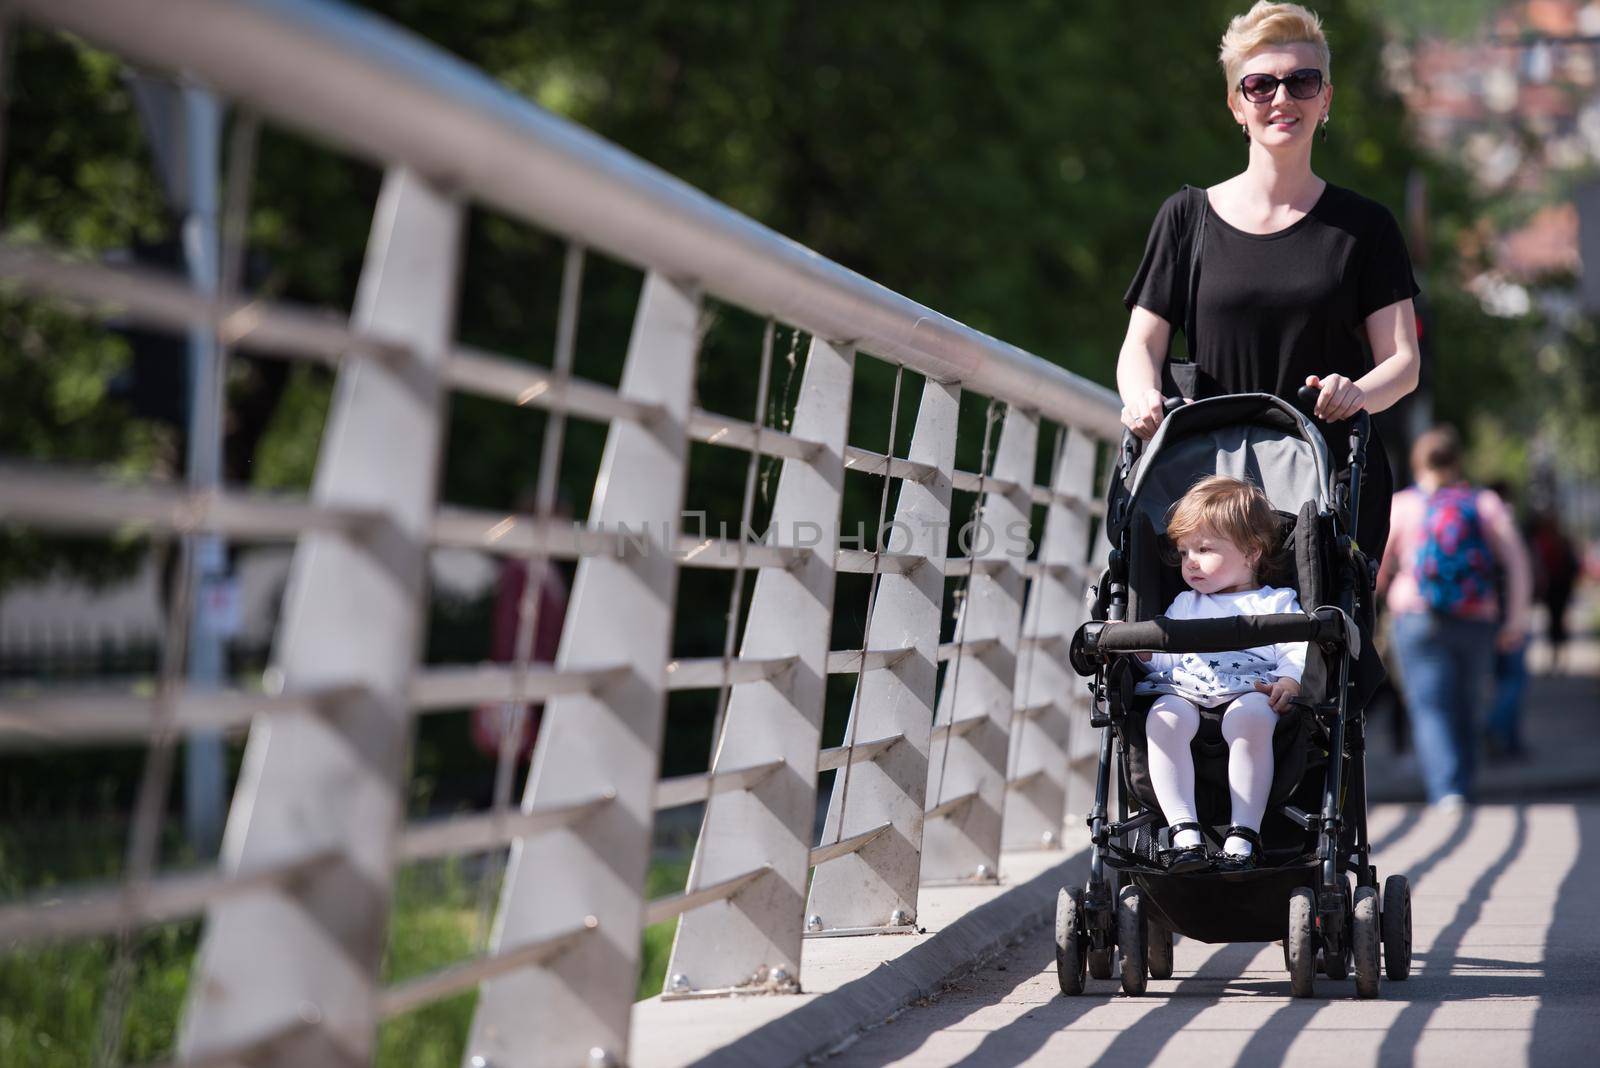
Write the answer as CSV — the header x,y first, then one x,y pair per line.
x,y
1285,180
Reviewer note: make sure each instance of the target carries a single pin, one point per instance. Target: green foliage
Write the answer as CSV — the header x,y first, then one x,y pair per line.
x,y
78,176
666,877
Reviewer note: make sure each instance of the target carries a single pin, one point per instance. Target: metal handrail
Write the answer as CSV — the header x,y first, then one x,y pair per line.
x,y
384,94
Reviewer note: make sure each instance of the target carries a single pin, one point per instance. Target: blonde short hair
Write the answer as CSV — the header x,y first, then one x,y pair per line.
x,y
1230,508
1271,24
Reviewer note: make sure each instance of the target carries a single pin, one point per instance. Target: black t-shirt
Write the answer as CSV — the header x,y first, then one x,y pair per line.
x,y
1274,308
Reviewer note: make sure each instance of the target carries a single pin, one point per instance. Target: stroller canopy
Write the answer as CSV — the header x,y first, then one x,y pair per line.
x,y
1253,436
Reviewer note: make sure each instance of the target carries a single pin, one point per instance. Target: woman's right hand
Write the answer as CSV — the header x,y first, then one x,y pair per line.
x,y
1145,414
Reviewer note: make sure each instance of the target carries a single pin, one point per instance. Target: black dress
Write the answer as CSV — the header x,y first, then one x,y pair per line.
x,y
1273,308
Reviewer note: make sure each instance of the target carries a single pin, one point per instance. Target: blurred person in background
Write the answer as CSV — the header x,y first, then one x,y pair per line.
x,y
1451,547
1503,733
546,609
1556,570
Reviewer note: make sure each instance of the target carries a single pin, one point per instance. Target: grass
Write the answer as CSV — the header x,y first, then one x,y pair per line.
x,y
52,997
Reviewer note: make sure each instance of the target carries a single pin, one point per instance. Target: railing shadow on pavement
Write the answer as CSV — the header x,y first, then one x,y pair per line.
x,y
1144,1040
1570,971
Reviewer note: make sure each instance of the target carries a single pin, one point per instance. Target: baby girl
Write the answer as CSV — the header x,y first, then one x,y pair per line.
x,y
1225,534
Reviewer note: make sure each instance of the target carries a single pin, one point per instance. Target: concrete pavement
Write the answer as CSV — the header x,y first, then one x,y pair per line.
x,y
1507,962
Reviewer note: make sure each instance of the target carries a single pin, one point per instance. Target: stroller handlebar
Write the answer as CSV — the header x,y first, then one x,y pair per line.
x,y
1097,641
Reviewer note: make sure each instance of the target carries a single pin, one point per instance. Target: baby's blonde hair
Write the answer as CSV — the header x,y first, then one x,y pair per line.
x,y
1271,24
1231,508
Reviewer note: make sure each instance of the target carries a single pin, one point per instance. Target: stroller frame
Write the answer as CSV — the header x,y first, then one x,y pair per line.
x,y
1327,923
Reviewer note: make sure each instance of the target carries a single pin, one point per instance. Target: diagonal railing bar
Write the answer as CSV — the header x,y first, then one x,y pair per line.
x,y
87,716
673,905
953,805
838,756
859,459
414,993
156,298
966,725
711,428
855,661
705,673
528,385
876,562
687,789
843,847
71,501
458,687
479,832
58,914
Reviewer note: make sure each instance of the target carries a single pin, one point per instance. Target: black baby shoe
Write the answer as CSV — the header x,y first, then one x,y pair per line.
x,y
1186,860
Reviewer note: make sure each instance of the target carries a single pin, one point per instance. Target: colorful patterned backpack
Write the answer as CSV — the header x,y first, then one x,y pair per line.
x,y
1455,567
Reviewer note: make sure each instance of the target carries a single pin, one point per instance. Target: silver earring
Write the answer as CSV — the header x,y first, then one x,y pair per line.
x,y
1325,117
1244,130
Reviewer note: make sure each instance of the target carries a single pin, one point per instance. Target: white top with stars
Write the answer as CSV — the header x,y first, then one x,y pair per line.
x,y
1212,679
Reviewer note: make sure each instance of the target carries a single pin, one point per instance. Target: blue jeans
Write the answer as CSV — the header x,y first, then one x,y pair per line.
x,y
1505,711
1444,663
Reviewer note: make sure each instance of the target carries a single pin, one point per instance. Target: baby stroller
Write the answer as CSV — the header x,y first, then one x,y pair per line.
x,y
1313,886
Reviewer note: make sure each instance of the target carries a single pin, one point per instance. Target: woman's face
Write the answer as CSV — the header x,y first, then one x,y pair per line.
x,y
1213,564
1282,121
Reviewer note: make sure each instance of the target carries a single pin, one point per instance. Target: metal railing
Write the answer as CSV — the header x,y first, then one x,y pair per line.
x,y
952,750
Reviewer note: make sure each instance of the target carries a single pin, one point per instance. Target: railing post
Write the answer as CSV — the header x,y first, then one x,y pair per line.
x,y
967,765
1046,708
752,941
301,961
876,887
574,1009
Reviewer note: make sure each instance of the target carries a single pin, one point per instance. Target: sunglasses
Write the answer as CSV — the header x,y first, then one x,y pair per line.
x,y
1261,88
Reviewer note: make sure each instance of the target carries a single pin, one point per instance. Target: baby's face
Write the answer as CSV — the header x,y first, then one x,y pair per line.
x,y
1213,564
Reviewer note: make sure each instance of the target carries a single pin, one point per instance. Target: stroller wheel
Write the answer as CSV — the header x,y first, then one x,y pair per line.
x,y
1131,941
1368,939
1100,963
1158,948
1300,942
1397,927
1070,941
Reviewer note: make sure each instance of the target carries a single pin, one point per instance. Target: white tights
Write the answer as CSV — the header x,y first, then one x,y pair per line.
x,y
1247,726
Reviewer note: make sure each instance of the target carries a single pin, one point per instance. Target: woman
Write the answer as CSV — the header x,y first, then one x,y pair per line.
x,y
1298,282
1458,587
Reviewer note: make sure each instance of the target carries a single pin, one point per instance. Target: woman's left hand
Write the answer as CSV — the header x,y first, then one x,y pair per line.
x,y
1340,399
